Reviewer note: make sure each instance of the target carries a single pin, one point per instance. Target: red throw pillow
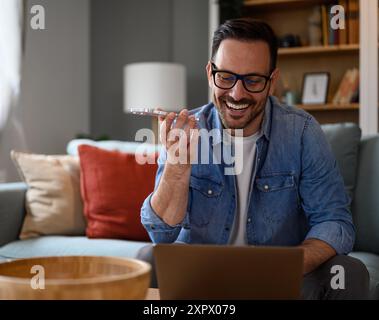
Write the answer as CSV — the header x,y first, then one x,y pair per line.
x,y
113,187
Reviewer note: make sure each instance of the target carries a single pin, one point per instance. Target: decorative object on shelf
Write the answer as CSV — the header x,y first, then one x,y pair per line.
x,y
285,94
315,27
315,88
289,41
155,84
289,98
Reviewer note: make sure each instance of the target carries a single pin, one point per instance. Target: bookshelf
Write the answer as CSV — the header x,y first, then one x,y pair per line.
x,y
291,17
279,4
319,49
329,107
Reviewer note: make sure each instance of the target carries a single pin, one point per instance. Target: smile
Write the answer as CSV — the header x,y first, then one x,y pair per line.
x,y
233,106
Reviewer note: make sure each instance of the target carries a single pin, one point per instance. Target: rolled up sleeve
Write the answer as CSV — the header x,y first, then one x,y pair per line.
x,y
158,230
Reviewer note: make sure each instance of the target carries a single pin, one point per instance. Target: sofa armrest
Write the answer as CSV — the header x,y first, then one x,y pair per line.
x,y
12,210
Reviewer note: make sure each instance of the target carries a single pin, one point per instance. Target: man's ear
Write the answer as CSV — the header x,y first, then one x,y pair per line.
x,y
208,69
274,79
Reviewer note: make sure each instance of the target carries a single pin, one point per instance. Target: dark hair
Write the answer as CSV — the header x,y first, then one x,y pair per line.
x,y
247,29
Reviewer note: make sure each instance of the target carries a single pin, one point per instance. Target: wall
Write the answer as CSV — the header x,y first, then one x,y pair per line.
x,y
54,104
190,46
55,89
127,31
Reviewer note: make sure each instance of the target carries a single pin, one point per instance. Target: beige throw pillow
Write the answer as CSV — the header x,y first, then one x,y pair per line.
x,y
53,200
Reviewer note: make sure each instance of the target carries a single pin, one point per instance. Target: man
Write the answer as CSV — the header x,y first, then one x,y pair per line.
x,y
289,192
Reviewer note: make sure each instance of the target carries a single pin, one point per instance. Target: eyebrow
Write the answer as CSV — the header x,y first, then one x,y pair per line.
x,y
245,74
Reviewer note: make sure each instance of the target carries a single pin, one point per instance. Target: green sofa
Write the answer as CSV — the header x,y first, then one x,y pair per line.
x,y
358,160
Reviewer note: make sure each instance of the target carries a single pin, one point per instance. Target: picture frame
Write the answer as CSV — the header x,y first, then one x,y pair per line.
x,y
315,88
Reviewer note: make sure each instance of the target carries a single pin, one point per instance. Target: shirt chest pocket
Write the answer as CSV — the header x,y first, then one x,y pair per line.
x,y
277,196
204,198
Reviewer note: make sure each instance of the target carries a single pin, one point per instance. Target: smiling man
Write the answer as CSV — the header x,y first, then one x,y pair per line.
x,y
289,192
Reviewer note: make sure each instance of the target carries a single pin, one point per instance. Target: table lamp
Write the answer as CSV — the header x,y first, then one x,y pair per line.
x,y
155,84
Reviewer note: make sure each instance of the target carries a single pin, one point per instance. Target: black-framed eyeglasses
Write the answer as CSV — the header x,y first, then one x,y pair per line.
x,y
252,82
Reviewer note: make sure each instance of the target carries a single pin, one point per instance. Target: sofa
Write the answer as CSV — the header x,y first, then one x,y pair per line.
x,y
358,161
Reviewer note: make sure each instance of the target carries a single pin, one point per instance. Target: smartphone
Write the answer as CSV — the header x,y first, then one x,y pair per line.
x,y
150,112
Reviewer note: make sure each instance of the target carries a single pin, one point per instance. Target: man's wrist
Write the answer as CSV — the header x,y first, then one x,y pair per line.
x,y
177,172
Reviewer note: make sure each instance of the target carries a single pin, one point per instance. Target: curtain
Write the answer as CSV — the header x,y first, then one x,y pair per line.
x,y
11,37
11,51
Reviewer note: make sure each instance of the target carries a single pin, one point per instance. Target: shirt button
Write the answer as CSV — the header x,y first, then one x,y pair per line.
x,y
249,220
266,187
152,227
210,192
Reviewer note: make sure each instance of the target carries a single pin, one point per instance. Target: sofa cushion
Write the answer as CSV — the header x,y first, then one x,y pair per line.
x,y
372,263
344,140
53,202
66,246
114,186
365,204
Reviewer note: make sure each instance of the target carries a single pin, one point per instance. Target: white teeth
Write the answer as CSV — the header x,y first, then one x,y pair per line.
x,y
236,106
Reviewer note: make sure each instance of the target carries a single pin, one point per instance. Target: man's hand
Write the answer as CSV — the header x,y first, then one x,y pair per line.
x,y
170,199
180,139
316,252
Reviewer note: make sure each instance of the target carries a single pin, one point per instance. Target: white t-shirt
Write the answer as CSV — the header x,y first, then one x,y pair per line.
x,y
243,183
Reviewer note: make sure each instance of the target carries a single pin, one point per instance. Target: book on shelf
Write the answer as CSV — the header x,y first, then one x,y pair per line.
x,y
353,21
343,36
325,24
348,88
348,35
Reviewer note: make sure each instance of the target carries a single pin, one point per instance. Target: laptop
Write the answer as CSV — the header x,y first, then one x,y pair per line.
x,y
228,272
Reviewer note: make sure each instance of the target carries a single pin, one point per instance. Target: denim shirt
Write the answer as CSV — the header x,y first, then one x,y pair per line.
x,y
297,194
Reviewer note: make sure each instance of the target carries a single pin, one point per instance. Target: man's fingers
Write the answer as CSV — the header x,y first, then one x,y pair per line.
x,y
182,119
174,126
169,120
160,118
192,123
166,126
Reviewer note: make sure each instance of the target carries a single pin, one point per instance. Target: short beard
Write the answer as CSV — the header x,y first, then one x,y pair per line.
x,y
253,116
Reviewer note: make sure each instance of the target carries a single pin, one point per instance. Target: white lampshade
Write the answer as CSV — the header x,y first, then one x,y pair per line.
x,y
155,85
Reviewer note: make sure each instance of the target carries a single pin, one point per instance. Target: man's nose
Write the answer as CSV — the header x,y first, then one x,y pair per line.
x,y
238,92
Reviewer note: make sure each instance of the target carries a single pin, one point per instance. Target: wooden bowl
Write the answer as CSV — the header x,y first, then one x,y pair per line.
x,y
74,277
